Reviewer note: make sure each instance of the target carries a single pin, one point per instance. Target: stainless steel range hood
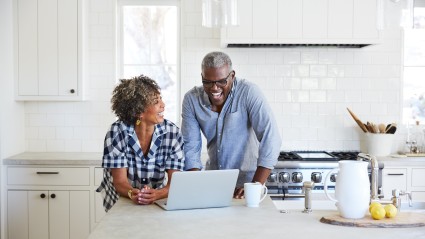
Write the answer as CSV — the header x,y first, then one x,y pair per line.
x,y
296,45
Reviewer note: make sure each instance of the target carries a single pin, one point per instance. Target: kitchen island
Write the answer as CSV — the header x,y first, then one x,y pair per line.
x,y
126,220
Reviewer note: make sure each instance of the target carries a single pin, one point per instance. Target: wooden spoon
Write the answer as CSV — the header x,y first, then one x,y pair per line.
x,y
381,128
358,121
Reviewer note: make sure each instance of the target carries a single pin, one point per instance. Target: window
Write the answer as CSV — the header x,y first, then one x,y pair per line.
x,y
414,68
148,44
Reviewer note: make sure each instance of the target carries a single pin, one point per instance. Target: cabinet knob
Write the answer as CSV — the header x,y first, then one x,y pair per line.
x,y
72,91
42,195
53,195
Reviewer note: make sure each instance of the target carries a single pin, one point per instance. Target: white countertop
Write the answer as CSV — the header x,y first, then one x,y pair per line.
x,y
57,158
126,220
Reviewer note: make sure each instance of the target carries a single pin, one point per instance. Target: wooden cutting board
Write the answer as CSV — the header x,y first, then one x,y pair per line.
x,y
403,219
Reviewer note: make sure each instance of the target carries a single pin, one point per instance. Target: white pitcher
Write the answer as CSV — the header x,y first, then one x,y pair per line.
x,y
352,188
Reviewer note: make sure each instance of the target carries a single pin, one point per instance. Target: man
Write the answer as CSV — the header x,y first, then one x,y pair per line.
x,y
235,119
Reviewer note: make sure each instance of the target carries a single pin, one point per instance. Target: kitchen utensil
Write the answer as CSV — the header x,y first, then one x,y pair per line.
x,y
358,121
379,144
381,128
391,128
352,189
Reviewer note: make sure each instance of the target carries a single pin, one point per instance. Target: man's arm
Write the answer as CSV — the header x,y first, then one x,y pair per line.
x,y
191,135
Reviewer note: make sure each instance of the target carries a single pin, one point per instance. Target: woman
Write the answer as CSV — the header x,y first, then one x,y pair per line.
x,y
140,146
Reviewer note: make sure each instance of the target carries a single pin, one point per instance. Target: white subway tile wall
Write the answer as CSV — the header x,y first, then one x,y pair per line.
x,y
308,89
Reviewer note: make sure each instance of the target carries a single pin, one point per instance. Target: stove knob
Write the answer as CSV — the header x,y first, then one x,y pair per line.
x,y
333,177
297,177
316,177
284,177
272,177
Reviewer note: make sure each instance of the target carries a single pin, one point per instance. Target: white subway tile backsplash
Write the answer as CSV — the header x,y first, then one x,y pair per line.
x,y
292,58
310,83
55,145
318,70
309,58
47,132
328,58
300,71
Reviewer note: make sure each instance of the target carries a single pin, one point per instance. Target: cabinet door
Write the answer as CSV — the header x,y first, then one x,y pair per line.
x,y
17,214
315,21
79,220
38,208
244,30
393,178
99,210
340,19
59,214
264,23
290,18
27,48
364,25
48,49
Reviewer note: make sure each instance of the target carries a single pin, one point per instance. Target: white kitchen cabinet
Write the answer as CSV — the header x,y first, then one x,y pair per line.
x,y
48,202
409,178
48,50
393,178
303,22
37,214
99,210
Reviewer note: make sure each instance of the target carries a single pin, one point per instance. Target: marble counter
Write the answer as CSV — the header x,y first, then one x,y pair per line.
x,y
126,220
59,158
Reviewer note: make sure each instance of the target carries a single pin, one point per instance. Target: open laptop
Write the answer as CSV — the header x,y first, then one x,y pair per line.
x,y
200,189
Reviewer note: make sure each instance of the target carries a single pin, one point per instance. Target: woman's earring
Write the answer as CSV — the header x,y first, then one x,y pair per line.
x,y
138,122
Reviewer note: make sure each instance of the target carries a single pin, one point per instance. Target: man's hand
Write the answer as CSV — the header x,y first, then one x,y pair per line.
x,y
239,193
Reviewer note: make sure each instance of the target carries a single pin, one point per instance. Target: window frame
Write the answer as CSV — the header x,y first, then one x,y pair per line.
x,y
119,42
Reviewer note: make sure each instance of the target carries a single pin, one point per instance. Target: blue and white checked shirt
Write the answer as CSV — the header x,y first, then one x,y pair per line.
x,y
243,136
122,150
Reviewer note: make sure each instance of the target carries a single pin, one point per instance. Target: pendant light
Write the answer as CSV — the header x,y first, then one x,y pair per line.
x,y
219,13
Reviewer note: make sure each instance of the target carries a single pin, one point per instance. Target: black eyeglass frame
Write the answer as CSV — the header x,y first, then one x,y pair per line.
x,y
218,83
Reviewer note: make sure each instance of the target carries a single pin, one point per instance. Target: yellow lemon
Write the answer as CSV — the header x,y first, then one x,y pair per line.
x,y
390,211
373,204
377,213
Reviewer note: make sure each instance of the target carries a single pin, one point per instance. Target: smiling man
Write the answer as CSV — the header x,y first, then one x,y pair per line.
x,y
235,119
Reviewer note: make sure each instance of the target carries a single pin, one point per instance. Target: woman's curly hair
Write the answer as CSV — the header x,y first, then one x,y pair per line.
x,y
131,97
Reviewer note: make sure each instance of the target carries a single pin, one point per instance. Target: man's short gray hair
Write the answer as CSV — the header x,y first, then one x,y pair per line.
x,y
216,59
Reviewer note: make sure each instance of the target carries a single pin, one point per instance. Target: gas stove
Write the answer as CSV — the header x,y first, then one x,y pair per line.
x,y
296,167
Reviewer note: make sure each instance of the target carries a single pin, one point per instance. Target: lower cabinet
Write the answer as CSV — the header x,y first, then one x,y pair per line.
x,y
393,178
409,178
38,214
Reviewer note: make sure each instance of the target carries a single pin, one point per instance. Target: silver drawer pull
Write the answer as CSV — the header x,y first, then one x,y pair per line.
x,y
395,174
47,172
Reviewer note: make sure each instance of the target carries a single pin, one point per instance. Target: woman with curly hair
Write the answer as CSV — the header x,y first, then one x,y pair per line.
x,y
141,146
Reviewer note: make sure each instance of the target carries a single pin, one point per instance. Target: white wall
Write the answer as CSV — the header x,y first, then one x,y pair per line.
x,y
309,88
12,131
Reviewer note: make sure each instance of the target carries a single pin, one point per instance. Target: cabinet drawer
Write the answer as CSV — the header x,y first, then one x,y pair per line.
x,y
418,177
48,176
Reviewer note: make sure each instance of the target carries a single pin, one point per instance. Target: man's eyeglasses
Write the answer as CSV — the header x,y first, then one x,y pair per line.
x,y
219,83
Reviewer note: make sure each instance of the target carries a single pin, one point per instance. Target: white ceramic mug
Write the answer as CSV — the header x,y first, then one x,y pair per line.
x,y
352,188
254,193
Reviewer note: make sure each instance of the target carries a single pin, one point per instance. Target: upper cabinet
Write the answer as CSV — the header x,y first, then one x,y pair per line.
x,y
48,49
304,22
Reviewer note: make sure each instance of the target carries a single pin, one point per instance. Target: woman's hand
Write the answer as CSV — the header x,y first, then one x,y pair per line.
x,y
146,196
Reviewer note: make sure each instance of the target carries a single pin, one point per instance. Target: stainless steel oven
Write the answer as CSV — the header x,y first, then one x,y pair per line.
x,y
296,167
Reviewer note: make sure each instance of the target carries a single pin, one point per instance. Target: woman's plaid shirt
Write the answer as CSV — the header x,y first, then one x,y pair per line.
x,y
122,150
